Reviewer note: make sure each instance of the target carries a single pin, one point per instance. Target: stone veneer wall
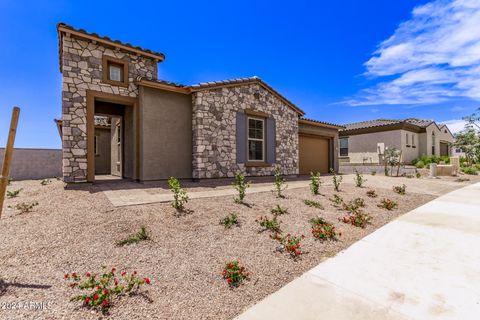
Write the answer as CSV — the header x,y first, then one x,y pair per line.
x,y
214,125
82,71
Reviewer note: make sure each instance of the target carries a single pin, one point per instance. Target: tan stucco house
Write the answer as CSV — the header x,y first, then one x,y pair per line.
x,y
119,119
365,142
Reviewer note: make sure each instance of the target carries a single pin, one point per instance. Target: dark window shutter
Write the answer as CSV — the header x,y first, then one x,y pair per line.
x,y
271,140
241,129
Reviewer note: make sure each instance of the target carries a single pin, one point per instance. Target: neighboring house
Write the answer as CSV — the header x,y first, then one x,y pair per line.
x,y
365,142
160,129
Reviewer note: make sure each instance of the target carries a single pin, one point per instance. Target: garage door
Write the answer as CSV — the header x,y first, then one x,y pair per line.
x,y
313,154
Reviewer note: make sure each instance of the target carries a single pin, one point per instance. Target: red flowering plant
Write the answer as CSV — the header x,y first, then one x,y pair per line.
x,y
103,290
291,244
357,218
322,230
234,273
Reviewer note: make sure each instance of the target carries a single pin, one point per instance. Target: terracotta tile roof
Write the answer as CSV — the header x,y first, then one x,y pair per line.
x,y
370,124
419,122
323,123
65,28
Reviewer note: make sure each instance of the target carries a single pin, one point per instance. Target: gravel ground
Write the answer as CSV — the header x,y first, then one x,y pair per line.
x,y
76,230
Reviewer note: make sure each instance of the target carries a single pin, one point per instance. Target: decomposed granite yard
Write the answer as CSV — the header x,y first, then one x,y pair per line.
x,y
77,230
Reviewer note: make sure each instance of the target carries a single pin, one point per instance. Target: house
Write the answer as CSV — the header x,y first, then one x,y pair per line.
x,y
365,142
151,129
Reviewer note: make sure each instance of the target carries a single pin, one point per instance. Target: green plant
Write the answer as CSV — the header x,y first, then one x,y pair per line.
x,y
25,207
292,244
359,179
400,189
270,224
353,205
279,183
14,193
9,181
418,174
180,197
102,291
357,219
470,170
322,230
279,210
373,172
315,182
372,194
314,204
234,273
44,182
230,220
387,204
241,185
140,235
337,200
337,180
420,164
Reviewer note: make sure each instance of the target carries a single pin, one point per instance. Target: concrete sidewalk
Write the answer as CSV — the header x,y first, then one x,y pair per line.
x,y
424,265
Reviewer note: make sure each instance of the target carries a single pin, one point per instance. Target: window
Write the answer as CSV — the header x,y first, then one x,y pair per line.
x,y
256,139
433,143
407,140
115,71
343,147
95,145
413,140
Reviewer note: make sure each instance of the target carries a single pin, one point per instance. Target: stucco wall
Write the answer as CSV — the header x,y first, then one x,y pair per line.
x,y
325,132
34,163
363,147
409,151
214,131
82,71
166,133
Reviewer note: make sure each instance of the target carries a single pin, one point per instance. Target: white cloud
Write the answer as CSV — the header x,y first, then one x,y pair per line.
x,y
431,58
454,125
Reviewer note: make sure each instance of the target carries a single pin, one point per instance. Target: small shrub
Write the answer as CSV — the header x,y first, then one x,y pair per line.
x,y
418,175
25,207
315,182
372,194
270,224
241,185
102,291
291,244
388,204
359,179
322,230
400,189
353,205
279,183
462,180
337,200
180,197
420,164
357,219
44,182
230,220
279,210
313,204
337,180
234,273
373,172
470,170
9,181
140,235
14,193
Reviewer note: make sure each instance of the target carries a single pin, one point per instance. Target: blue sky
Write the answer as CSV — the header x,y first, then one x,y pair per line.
x,y
340,61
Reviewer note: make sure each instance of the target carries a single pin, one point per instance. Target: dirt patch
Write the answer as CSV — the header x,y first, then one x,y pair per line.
x,y
76,230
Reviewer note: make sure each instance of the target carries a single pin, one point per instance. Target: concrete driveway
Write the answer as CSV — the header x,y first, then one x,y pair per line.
x,y
424,265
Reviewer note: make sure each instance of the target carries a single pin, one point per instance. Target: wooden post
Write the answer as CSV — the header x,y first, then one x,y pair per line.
x,y
7,158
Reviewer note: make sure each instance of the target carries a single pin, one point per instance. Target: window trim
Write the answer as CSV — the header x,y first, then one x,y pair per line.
x,y
256,161
340,148
123,63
